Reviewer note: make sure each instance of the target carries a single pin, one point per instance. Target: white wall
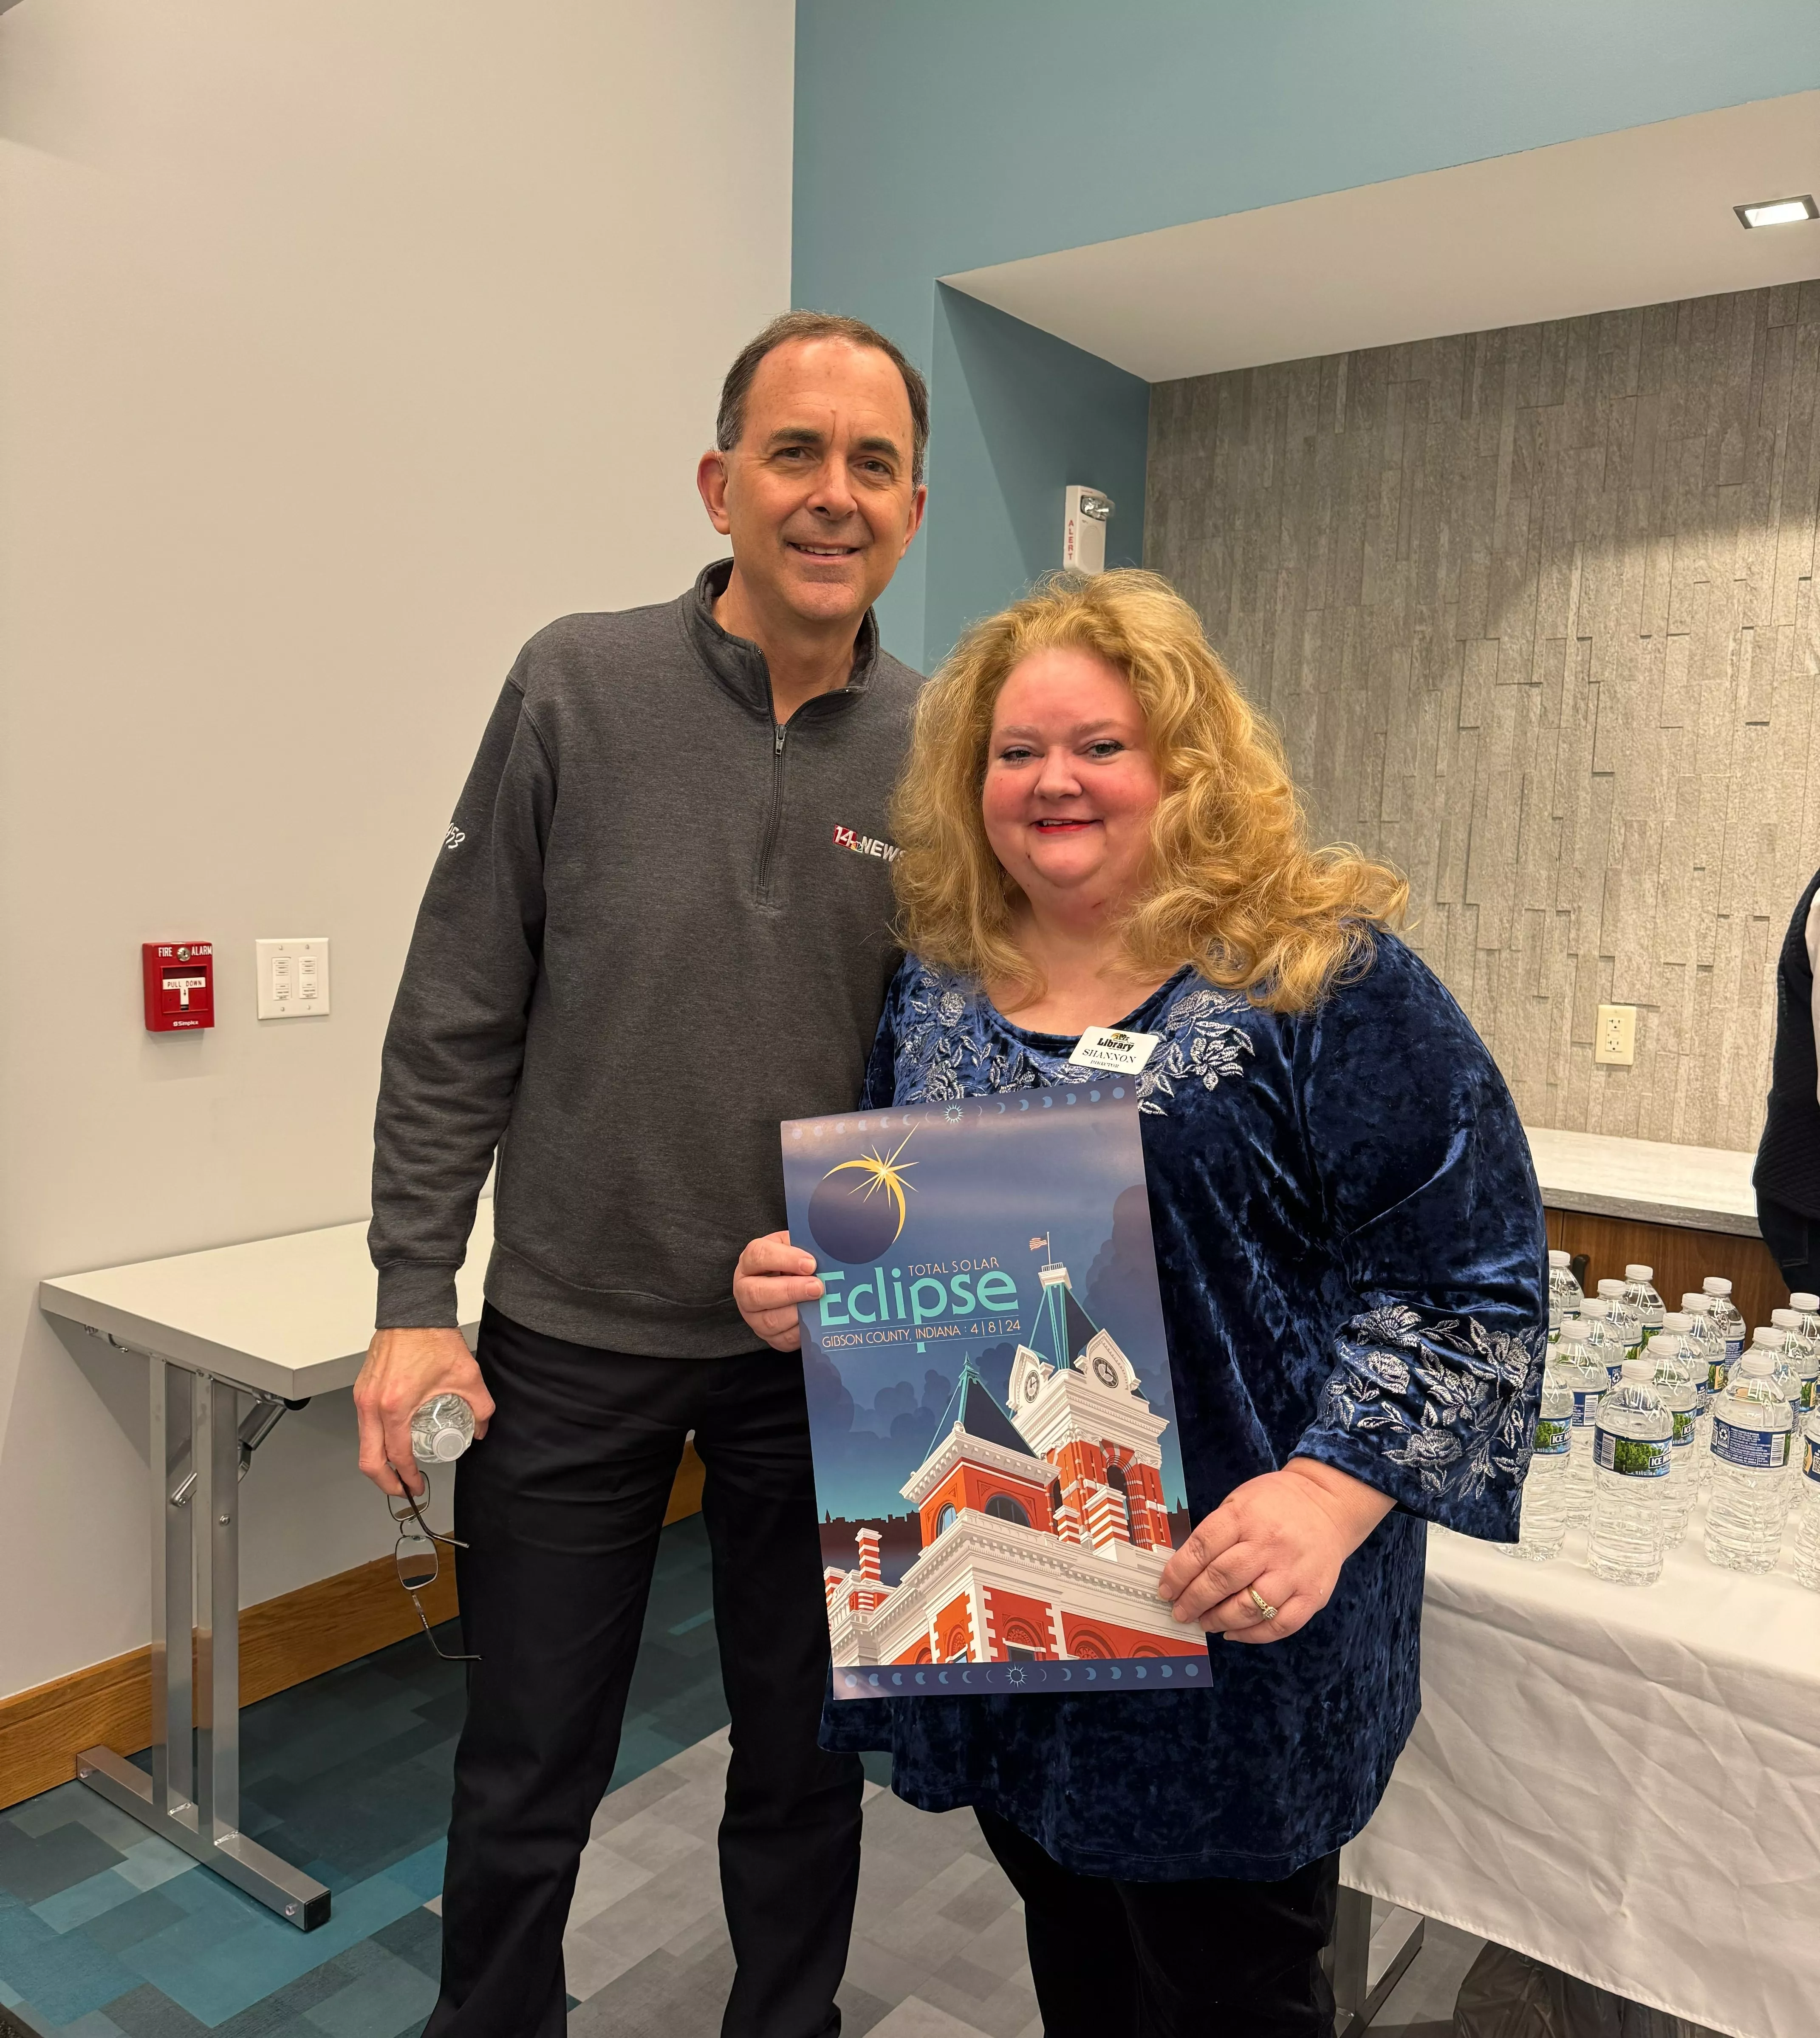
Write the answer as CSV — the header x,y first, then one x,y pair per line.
x,y
342,345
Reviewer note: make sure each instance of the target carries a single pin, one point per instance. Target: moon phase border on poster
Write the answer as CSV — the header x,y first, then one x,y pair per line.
x,y
991,1408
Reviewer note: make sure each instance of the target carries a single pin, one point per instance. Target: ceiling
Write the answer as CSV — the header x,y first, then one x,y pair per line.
x,y
1640,217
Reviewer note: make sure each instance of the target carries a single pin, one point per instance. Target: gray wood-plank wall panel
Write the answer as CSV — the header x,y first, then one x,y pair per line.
x,y
1533,610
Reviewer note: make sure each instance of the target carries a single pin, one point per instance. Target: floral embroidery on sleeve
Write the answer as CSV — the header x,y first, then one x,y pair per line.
x,y
1442,1397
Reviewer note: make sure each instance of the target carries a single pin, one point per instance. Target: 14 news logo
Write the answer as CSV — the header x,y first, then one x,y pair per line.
x,y
866,845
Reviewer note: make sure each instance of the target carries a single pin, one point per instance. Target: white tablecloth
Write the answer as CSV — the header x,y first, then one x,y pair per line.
x,y
1623,1782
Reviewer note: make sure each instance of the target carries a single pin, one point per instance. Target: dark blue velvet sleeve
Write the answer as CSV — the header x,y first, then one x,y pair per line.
x,y
1425,1172
881,1086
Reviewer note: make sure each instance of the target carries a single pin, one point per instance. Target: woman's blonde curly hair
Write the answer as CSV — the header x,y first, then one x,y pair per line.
x,y
1236,889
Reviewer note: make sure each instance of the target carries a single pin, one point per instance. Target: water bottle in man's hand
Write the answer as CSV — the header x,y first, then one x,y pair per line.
x,y
442,1429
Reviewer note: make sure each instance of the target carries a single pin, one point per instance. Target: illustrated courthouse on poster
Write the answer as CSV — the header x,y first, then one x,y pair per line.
x,y
991,1409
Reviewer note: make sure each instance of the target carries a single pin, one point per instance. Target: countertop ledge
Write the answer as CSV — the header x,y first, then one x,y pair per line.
x,y
1705,1188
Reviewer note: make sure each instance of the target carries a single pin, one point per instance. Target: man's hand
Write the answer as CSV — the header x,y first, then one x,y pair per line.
x,y
1284,1535
772,1277
403,1370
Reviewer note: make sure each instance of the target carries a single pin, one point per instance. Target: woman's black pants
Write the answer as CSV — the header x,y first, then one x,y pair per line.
x,y
1210,1959
562,1503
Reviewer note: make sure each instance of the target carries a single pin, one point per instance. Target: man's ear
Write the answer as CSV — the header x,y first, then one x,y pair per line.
x,y
711,479
916,509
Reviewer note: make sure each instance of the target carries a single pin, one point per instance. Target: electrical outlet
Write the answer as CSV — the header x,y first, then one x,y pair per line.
x,y
1614,1039
294,977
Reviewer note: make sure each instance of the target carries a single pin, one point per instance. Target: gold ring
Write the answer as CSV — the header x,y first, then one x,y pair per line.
x,y
1265,1610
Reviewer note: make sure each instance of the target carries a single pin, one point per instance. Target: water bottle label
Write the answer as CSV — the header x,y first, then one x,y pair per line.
x,y
1635,1457
1755,1450
1586,1402
1734,1351
1684,1421
1717,1373
1551,1436
1810,1459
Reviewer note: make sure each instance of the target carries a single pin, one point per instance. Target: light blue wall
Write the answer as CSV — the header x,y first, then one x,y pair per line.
x,y
938,135
1024,414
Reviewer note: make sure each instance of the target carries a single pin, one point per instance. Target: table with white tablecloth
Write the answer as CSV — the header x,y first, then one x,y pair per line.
x,y
1623,1782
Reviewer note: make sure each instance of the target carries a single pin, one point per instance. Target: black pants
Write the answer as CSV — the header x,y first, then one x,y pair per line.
x,y
561,1503
1209,1959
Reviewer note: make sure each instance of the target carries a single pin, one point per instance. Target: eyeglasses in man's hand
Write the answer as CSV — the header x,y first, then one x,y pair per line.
x,y
419,1561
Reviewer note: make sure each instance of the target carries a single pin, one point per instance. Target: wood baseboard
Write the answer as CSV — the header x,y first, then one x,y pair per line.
x,y
283,1641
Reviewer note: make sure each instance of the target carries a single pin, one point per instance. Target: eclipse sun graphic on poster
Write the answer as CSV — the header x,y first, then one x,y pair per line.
x,y
991,1409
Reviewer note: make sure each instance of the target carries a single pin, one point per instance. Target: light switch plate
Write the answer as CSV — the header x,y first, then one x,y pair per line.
x,y
293,977
1614,1039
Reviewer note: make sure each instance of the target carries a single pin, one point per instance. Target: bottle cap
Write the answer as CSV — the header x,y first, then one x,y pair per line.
x,y
1638,1272
1558,1259
1786,1320
1611,1289
1642,1369
1769,1338
1598,1307
1667,1344
1676,1319
1806,1303
1714,1285
1696,1306
1757,1364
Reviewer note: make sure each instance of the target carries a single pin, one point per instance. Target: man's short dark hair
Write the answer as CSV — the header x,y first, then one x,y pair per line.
x,y
818,325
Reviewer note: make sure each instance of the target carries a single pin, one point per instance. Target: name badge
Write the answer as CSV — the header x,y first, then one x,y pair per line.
x,y
1106,1048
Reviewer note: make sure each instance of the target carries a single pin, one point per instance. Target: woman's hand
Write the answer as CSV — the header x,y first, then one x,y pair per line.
x,y
1285,1535
772,1277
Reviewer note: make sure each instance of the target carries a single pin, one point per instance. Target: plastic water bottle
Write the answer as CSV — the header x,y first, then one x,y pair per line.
x,y
1543,1526
442,1429
1673,1380
1708,1332
1639,1294
1807,1530
1751,1426
1564,1290
1700,1349
1595,1333
1622,1323
1725,1317
1767,1338
1803,1354
1582,1372
1631,1450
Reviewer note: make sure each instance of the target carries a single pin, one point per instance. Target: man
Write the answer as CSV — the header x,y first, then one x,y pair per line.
x,y
646,940
1787,1172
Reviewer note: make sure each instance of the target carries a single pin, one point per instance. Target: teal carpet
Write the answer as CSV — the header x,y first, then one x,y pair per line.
x,y
106,1932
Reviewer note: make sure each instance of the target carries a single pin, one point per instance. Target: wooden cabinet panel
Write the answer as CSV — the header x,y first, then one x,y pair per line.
x,y
1681,1258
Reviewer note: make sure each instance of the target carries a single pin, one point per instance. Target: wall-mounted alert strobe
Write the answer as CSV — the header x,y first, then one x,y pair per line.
x,y
1085,514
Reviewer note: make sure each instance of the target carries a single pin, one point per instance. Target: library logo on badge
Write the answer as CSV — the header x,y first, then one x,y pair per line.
x,y
1106,1048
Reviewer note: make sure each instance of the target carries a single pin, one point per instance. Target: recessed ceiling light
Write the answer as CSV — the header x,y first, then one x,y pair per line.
x,y
1778,211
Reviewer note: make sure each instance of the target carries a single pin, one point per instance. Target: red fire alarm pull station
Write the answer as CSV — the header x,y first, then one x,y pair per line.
x,y
180,985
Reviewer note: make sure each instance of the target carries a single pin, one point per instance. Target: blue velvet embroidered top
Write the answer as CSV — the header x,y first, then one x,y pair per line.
x,y
1351,1257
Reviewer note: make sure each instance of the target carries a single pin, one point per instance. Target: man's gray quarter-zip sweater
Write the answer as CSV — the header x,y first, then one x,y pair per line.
x,y
659,922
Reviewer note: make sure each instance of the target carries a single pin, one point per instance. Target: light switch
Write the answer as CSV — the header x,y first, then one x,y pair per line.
x,y
293,977
1614,1039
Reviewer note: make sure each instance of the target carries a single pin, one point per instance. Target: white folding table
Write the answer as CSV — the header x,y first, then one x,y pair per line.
x,y
277,1320
1623,1782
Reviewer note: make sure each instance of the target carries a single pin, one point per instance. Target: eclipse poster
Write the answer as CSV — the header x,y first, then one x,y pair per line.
x,y
991,1409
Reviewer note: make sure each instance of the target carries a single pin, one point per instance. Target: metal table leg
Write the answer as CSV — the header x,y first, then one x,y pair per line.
x,y
192,1797
1364,1966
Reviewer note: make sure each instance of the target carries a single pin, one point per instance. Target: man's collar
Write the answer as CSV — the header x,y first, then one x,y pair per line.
x,y
738,664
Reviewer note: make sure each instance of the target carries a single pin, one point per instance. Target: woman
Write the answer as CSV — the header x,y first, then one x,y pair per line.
x,y
1095,830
